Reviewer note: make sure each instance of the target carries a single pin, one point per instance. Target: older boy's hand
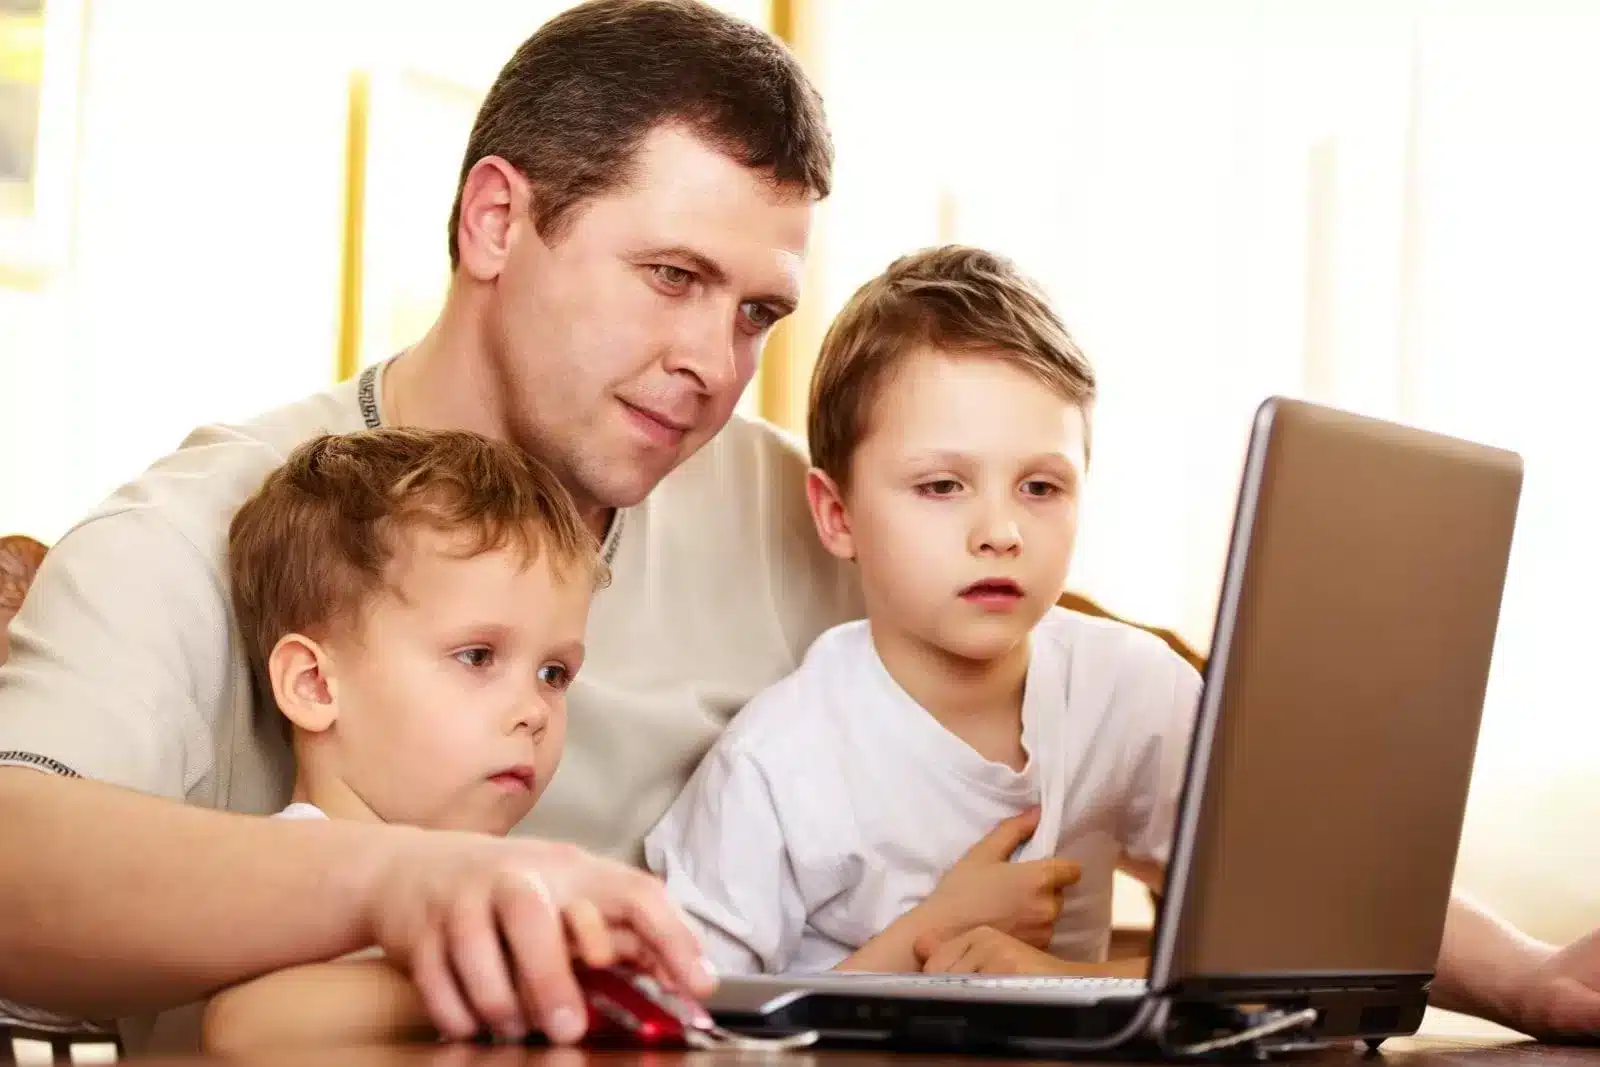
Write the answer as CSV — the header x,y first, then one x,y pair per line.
x,y
487,928
985,951
986,888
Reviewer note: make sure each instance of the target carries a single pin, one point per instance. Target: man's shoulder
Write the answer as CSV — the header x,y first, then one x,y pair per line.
x,y
192,492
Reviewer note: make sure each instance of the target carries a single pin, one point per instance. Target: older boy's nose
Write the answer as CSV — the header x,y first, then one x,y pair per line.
x,y
997,534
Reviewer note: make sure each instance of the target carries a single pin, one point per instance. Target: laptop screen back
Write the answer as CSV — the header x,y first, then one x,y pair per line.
x,y
1354,650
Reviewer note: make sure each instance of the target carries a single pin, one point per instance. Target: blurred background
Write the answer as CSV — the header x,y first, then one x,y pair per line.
x,y
209,208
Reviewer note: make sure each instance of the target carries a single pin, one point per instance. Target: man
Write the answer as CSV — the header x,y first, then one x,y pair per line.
x,y
633,210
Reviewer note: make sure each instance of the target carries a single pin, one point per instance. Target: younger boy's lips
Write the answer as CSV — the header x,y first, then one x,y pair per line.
x,y
520,777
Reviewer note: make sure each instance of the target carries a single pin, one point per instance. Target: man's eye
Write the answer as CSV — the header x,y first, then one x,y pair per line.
x,y
672,277
555,675
760,316
478,657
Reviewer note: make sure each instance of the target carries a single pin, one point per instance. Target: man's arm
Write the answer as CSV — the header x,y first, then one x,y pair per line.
x,y
129,903
338,1004
1490,969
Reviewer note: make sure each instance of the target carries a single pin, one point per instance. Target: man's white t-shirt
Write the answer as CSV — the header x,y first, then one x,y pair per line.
x,y
834,803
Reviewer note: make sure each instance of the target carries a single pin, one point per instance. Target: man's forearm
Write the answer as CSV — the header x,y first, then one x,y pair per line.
x,y
118,903
1483,961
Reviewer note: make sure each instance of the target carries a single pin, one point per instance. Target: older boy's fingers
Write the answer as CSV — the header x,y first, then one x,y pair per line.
x,y
431,974
533,929
591,940
482,969
946,956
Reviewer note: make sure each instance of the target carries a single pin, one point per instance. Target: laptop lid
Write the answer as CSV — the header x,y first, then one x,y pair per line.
x,y
1323,803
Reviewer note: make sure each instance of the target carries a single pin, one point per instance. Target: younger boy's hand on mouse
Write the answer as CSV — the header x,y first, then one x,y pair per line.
x,y
986,888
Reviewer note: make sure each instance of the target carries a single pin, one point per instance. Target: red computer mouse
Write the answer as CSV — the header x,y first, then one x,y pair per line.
x,y
630,1008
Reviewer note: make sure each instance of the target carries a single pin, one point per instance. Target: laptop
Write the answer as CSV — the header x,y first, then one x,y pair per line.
x,y
1321,811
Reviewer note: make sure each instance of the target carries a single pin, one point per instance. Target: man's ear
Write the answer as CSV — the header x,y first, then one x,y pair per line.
x,y
300,684
829,514
494,200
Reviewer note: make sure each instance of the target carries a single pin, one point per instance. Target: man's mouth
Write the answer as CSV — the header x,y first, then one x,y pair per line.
x,y
660,427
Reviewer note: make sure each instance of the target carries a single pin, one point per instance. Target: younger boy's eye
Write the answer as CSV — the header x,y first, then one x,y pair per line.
x,y
477,657
1040,489
555,675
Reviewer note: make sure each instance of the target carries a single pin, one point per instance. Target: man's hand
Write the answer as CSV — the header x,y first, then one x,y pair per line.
x,y
487,927
1560,999
985,888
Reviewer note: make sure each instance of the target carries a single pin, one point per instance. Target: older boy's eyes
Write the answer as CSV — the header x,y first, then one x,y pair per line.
x,y
939,487
477,657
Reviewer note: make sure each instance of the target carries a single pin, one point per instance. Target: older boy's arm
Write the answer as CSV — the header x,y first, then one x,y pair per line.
x,y
342,1003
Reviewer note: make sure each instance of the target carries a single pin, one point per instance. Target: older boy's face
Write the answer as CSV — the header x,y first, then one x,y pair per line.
x,y
452,698
626,342
963,502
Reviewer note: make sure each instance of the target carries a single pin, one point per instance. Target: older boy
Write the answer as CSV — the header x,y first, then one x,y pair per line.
x,y
835,823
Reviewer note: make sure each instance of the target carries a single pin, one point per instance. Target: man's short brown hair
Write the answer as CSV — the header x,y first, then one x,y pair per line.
x,y
315,540
951,299
571,107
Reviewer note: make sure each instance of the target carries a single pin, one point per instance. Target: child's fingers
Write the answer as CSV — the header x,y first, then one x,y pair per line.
x,y
592,941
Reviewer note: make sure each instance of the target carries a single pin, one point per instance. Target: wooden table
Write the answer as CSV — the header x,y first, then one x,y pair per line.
x,y
1410,1052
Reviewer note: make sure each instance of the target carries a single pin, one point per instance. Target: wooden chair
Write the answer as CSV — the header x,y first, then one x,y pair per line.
x,y
20,557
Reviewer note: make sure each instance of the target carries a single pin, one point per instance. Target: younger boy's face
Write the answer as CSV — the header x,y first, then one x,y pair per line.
x,y
451,697
962,505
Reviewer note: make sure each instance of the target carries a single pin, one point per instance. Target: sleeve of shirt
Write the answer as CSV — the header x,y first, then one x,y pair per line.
x,y
119,659
720,850
1165,694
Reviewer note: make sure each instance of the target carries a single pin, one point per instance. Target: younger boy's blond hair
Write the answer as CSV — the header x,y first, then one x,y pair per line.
x,y
315,540
952,299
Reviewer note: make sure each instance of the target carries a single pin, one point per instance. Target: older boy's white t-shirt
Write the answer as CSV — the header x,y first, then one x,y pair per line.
x,y
834,803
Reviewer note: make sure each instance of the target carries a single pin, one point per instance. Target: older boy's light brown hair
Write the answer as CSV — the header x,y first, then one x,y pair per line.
x,y
315,540
952,299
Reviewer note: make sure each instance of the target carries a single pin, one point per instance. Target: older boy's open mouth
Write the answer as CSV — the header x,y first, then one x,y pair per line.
x,y
993,593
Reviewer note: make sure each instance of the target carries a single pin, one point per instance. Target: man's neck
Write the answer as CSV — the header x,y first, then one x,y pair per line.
x,y
445,382
980,701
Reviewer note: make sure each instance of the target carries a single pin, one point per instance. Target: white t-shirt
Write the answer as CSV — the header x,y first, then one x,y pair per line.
x,y
301,810
834,803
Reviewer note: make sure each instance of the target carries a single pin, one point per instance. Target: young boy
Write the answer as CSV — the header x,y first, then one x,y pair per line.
x,y
863,812
416,603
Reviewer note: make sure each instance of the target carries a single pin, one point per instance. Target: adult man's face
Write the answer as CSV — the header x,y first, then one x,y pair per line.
x,y
623,343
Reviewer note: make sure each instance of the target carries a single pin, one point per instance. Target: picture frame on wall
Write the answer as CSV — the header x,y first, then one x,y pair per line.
x,y
41,53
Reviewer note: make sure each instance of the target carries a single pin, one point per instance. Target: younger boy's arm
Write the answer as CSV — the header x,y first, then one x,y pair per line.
x,y
344,1002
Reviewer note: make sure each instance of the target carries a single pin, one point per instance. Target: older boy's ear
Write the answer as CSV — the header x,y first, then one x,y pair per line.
x,y
297,668
829,514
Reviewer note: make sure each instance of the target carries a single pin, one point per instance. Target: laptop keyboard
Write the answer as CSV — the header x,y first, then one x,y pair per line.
x,y
981,981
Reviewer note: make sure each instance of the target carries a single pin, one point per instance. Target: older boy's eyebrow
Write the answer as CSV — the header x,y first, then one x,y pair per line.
x,y
938,458
711,270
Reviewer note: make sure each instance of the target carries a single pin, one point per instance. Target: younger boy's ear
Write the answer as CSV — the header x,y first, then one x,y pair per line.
x,y
298,670
829,514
